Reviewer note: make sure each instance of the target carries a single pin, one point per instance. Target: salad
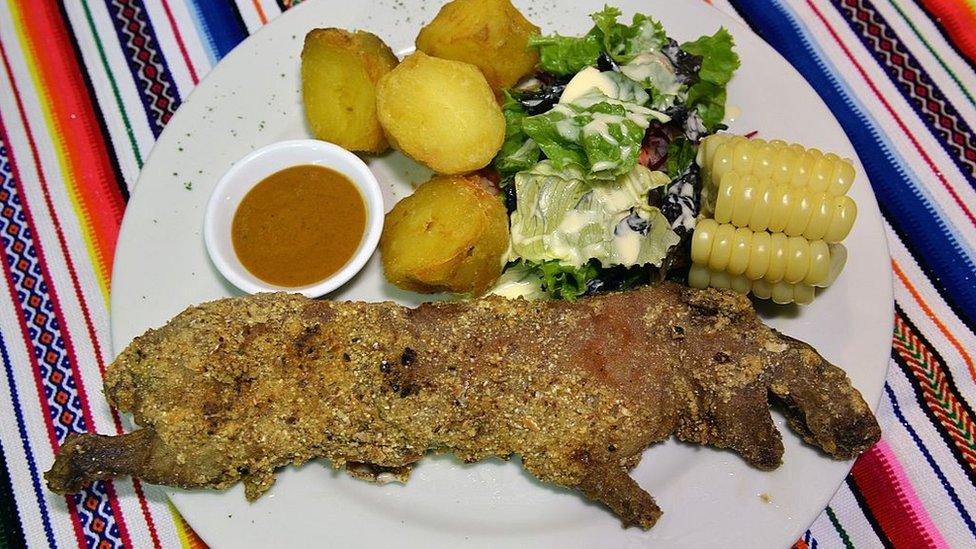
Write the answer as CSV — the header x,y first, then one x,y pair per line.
x,y
604,148
598,161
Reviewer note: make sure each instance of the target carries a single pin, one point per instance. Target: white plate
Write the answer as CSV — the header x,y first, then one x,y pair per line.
x,y
252,98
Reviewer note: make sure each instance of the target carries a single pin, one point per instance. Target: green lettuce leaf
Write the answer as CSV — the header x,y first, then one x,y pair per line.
x,y
563,281
655,72
520,280
562,216
599,133
681,153
562,55
719,62
624,42
518,151
637,48
559,135
607,27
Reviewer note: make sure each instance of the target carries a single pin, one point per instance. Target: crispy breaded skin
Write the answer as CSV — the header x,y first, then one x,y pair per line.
x,y
233,389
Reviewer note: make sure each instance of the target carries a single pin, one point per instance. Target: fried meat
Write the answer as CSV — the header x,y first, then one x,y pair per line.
x,y
231,390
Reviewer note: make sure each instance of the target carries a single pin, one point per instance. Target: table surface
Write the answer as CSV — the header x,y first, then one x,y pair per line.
x,y
86,87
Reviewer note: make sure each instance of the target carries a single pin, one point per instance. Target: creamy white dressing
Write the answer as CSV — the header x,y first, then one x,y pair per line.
x,y
600,126
634,111
525,148
603,165
564,250
732,113
593,226
567,129
585,81
526,289
575,221
627,245
654,69
688,216
616,199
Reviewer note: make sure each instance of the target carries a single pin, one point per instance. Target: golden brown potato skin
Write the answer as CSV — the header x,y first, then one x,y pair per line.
x,y
441,113
449,235
339,74
490,34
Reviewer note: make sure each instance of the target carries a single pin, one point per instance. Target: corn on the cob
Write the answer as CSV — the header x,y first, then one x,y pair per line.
x,y
761,204
777,160
780,292
761,255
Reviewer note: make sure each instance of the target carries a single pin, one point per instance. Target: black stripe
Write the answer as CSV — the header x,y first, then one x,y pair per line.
x,y
936,422
920,399
925,264
933,419
282,5
11,531
866,509
945,34
93,100
946,371
236,12
930,261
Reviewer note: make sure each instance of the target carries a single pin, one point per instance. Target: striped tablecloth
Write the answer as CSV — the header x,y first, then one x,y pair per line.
x,y
86,86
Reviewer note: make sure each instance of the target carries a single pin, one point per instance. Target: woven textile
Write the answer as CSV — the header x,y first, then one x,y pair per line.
x,y
86,87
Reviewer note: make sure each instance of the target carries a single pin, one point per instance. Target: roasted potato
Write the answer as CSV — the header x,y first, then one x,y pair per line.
x,y
441,113
490,34
339,74
449,235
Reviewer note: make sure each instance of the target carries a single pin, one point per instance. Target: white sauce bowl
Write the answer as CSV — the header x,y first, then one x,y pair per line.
x,y
247,172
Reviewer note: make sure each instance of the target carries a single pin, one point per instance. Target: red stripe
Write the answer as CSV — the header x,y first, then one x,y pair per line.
x,y
959,20
935,319
35,367
877,482
75,521
76,127
901,124
81,140
936,403
179,42
52,294
144,505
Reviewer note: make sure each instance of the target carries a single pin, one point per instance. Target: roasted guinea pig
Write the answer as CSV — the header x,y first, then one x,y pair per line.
x,y
231,390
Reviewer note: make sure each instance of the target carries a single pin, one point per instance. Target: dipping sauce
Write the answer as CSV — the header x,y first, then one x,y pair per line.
x,y
299,226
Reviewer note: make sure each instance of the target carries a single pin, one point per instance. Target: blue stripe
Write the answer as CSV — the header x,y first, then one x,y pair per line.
x,y
896,408
221,24
810,540
154,114
22,429
923,232
32,323
953,150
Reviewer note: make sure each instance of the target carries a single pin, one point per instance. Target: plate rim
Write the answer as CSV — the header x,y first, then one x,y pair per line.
x,y
214,74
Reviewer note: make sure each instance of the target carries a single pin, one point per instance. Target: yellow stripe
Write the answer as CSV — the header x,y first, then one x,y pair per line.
x,y
67,171
188,538
180,525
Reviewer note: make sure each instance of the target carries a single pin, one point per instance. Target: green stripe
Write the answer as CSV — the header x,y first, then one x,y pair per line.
x,y
942,62
840,529
115,87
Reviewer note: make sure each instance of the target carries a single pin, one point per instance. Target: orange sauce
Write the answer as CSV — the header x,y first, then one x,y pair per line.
x,y
299,226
